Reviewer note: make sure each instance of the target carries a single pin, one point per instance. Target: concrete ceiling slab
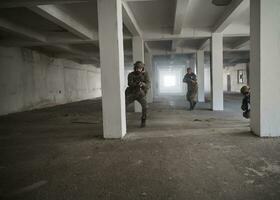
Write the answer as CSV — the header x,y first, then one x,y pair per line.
x,y
229,42
86,48
191,43
154,16
203,14
85,12
29,19
160,45
240,25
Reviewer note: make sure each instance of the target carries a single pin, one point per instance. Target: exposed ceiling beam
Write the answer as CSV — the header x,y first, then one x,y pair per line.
x,y
236,35
181,51
175,44
187,33
138,0
24,3
63,19
180,15
70,49
71,55
234,9
77,58
130,21
203,44
241,43
22,31
147,47
50,40
39,38
15,42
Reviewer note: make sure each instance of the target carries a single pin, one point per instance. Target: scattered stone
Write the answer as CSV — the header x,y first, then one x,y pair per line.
x,y
250,182
143,194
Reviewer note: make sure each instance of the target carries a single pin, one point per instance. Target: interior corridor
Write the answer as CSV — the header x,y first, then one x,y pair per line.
x,y
59,153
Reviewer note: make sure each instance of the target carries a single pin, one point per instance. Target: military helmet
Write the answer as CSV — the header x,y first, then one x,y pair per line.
x,y
138,64
245,89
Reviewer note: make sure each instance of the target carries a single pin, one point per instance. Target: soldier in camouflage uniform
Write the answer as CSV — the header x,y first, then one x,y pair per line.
x,y
245,90
190,79
138,85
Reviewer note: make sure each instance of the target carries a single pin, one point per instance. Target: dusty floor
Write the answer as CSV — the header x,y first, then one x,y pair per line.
x,y
58,153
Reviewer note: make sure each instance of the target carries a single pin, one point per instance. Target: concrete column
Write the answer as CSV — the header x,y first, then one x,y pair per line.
x,y
138,55
264,67
149,69
217,71
200,75
112,67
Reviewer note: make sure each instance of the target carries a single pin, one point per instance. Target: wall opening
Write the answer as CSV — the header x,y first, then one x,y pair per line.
x,y
170,80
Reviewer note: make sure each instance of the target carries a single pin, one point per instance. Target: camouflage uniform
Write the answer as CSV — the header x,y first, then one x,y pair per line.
x,y
245,90
191,80
246,106
135,92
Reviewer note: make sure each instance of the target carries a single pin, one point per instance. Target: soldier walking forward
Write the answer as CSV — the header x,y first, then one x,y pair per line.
x,y
190,79
138,86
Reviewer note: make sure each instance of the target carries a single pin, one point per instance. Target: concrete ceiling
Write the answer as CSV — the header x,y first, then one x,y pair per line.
x,y
160,45
29,19
85,12
203,14
154,16
70,28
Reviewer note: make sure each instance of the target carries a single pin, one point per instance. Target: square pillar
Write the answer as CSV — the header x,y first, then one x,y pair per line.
x,y
200,75
217,71
149,69
264,67
138,55
112,70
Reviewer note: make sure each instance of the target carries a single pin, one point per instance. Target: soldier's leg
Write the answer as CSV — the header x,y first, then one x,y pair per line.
x,y
193,103
193,100
189,99
129,98
194,96
143,103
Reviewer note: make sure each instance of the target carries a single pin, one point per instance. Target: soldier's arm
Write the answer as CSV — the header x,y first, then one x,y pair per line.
x,y
194,77
130,81
187,79
244,105
147,83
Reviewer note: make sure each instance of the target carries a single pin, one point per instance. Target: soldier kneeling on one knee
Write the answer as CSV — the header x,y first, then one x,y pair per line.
x,y
245,90
138,86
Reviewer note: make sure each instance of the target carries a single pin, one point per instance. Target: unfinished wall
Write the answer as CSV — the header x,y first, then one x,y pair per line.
x,y
29,80
232,71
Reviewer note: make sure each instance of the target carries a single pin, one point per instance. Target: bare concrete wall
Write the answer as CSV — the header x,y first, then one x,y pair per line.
x,y
29,80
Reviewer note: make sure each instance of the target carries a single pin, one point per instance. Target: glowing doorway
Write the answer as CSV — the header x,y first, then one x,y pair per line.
x,y
170,80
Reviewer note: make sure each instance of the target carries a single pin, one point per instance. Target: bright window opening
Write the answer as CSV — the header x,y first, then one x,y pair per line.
x,y
169,81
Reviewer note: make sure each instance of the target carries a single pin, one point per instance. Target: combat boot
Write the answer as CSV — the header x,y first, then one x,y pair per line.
x,y
193,105
143,123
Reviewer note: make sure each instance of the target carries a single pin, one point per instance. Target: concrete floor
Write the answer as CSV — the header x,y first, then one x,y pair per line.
x,y
58,153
